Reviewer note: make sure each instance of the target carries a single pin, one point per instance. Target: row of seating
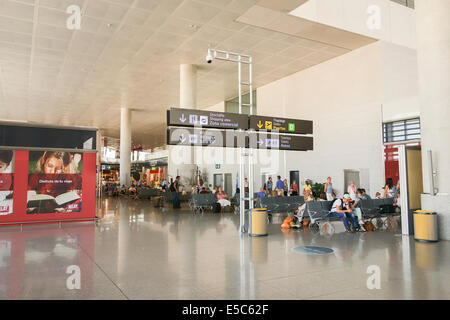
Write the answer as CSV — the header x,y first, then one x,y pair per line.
x,y
202,202
371,209
280,204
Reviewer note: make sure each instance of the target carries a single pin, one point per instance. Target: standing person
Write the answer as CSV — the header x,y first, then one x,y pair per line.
x,y
352,190
246,188
279,186
176,199
307,189
329,189
390,191
294,188
269,185
285,187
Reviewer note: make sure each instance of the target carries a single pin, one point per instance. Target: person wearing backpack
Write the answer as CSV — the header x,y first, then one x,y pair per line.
x,y
341,209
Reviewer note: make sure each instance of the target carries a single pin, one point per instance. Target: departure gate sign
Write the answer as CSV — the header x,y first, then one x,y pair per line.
x,y
282,125
206,119
280,142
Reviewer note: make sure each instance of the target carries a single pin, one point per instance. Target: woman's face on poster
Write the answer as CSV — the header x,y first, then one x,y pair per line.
x,y
3,166
53,165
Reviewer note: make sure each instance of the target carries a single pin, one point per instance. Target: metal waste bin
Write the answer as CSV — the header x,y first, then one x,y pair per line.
x,y
258,223
425,226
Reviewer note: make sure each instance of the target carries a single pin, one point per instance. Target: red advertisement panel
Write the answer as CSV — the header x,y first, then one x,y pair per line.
x,y
6,182
49,186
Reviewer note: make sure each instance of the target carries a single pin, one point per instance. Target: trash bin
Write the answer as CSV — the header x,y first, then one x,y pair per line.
x,y
425,226
258,223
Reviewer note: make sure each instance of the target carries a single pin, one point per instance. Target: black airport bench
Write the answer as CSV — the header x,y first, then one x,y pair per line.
x,y
202,202
279,204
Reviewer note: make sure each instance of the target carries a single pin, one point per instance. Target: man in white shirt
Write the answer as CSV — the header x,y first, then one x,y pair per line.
x,y
341,209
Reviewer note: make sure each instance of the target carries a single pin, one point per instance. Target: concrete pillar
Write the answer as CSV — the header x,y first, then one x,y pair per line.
x,y
125,146
188,86
181,158
433,54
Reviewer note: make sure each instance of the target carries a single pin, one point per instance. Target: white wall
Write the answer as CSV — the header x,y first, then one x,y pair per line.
x,y
399,80
396,22
343,98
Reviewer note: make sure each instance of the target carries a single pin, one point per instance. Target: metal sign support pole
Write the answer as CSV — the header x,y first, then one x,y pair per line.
x,y
241,59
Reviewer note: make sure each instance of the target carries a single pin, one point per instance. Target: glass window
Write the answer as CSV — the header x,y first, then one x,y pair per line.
x,y
401,131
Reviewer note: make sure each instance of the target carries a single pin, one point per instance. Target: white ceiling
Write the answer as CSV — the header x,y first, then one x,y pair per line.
x,y
127,54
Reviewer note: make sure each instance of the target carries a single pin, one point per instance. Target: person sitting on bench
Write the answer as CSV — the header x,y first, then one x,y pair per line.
x,y
222,198
261,193
341,209
356,206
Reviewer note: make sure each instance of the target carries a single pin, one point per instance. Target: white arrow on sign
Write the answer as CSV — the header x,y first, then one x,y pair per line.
x,y
260,142
182,138
183,118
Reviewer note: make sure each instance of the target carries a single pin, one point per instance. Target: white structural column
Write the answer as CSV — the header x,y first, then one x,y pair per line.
x,y
125,146
182,158
433,54
188,86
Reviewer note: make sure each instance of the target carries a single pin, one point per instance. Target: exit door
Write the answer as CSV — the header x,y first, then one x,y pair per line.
x,y
411,185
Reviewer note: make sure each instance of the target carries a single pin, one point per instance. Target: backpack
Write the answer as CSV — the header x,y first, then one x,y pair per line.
x,y
369,226
171,188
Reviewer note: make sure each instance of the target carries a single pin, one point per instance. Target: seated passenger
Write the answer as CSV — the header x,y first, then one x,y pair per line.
x,y
301,209
365,196
397,203
203,191
378,195
222,198
341,209
356,206
261,193
323,197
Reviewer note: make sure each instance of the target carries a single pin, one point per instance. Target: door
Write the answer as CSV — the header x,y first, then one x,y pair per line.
x,y
218,180
228,184
415,182
351,175
294,175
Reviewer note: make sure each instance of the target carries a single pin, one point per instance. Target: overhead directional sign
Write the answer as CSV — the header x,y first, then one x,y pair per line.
x,y
280,142
282,125
231,139
206,138
206,119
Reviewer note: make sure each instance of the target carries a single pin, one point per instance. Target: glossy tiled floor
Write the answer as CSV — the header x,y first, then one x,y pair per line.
x,y
139,252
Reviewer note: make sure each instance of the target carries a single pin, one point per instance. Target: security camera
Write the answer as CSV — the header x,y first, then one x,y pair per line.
x,y
209,57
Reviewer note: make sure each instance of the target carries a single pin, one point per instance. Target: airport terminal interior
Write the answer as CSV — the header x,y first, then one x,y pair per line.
x,y
224,150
